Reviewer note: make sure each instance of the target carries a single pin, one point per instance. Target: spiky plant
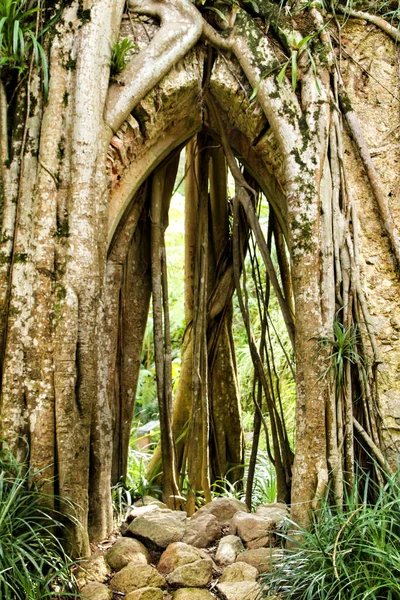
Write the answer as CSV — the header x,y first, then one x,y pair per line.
x,y
33,564
20,31
120,51
340,348
352,554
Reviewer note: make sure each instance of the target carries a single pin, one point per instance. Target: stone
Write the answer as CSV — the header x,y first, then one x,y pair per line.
x,y
138,511
223,509
148,500
95,591
126,550
144,505
239,571
263,542
195,574
159,527
228,549
239,590
135,576
277,512
146,593
94,569
202,531
253,529
192,594
260,558
177,555
187,566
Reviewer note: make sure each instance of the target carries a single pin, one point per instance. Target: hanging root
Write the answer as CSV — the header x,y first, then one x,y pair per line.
x,y
252,219
373,176
162,350
378,455
198,459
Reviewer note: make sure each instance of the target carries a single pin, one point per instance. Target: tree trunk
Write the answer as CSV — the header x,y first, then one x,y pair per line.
x,y
73,308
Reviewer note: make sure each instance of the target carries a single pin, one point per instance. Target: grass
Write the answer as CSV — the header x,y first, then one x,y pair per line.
x,y
352,554
33,564
120,52
20,30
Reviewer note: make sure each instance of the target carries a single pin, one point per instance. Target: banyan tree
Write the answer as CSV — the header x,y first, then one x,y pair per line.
x,y
298,101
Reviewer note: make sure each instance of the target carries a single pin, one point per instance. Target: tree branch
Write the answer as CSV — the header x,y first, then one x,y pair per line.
x,y
181,27
393,32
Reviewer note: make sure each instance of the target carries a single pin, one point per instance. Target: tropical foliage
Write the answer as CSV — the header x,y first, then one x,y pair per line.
x,y
352,554
33,563
21,29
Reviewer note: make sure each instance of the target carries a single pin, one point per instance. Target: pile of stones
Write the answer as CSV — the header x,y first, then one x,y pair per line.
x,y
220,552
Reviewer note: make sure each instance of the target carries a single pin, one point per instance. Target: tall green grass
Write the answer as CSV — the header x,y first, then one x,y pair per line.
x,y
352,554
23,25
33,564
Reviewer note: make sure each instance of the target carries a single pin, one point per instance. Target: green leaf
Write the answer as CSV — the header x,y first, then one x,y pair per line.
x,y
45,70
294,69
21,43
15,38
2,21
304,41
263,76
314,68
219,13
254,6
35,47
282,72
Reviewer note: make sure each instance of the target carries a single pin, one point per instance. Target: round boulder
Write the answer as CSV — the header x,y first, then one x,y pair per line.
x,y
254,530
277,512
126,550
135,576
96,591
202,531
228,549
94,569
147,593
261,558
192,594
239,571
223,509
159,527
186,566
177,555
239,590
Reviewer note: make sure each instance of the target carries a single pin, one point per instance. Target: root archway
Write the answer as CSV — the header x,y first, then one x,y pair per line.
x,y
131,259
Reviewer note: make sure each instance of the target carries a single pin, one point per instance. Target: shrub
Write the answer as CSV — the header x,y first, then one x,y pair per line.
x,y
349,555
33,564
